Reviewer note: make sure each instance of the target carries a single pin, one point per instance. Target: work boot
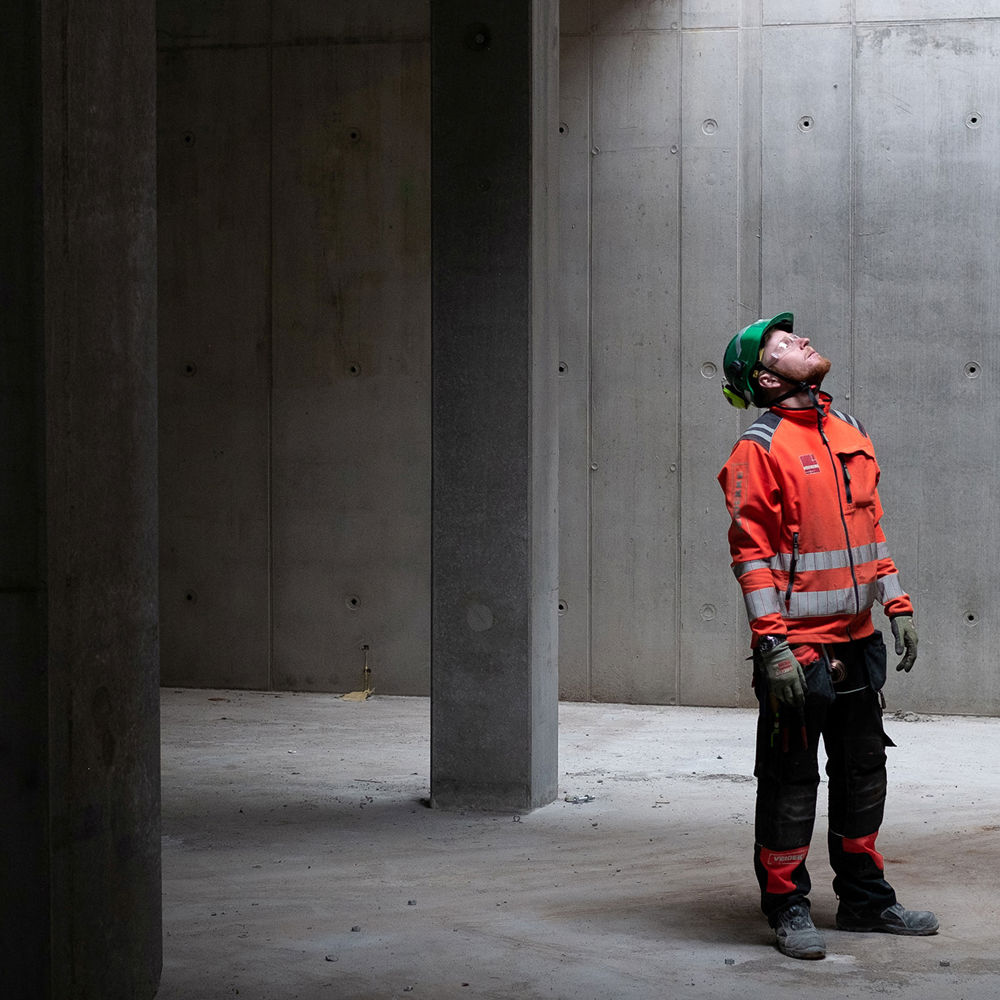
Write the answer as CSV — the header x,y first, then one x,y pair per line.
x,y
797,936
893,919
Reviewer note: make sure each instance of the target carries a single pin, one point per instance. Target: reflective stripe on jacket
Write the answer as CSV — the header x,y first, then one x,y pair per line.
x,y
806,539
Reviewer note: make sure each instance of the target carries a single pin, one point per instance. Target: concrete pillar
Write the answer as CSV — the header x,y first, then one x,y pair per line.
x,y
24,873
494,685
79,712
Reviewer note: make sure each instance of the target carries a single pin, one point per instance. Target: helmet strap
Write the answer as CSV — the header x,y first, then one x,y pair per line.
x,y
796,388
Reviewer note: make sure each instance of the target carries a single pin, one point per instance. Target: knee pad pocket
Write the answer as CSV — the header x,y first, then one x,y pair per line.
x,y
864,785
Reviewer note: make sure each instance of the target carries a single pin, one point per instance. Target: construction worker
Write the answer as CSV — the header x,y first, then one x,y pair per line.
x,y
810,556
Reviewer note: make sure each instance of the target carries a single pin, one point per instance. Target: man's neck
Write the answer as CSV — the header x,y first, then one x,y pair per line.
x,y
800,401
803,400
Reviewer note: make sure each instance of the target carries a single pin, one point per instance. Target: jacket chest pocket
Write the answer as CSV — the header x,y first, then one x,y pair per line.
x,y
858,472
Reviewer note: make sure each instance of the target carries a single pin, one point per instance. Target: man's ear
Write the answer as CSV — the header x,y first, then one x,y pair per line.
x,y
768,381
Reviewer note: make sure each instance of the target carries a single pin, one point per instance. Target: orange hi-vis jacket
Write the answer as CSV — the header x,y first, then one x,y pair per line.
x,y
806,539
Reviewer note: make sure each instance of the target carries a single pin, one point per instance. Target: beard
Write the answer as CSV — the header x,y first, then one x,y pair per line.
x,y
820,369
811,370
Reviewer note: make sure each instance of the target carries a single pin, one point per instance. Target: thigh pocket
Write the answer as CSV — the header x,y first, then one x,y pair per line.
x,y
819,686
875,660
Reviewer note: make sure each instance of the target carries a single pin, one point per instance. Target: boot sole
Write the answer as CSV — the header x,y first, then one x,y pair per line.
x,y
805,955
807,951
898,931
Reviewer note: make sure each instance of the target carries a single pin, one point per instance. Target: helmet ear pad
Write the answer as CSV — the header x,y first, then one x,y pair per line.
x,y
740,372
736,395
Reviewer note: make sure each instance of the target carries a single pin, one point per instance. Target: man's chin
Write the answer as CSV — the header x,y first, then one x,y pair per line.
x,y
819,371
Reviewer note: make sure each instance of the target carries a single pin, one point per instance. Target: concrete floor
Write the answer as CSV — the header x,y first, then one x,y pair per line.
x,y
299,861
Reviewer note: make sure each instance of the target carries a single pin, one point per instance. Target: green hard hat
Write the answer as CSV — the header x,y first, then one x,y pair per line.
x,y
740,363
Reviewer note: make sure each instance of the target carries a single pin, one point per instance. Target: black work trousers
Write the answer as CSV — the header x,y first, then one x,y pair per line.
x,y
848,717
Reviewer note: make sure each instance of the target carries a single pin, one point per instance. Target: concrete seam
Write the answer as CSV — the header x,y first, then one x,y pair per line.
x,y
760,155
269,477
590,363
678,516
852,195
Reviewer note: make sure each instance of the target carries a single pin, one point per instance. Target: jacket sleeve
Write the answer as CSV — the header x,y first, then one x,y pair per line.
x,y
892,597
753,497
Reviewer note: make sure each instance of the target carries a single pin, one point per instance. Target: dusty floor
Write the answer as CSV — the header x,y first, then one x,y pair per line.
x,y
300,862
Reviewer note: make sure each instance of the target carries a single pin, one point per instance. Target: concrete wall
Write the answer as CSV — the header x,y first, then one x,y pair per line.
x,y
730,160
721,159
295,373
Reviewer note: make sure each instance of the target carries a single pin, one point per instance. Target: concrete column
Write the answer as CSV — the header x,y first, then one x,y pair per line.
x,y
494,684
24,871
78,546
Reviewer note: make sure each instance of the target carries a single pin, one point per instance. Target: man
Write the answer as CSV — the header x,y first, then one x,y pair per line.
x,y
810,556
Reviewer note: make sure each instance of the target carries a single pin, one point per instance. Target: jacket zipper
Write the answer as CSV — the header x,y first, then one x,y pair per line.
x,y
840,505
847,481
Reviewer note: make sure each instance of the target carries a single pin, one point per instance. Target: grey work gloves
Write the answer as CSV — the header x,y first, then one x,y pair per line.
x,y
785,678
906,641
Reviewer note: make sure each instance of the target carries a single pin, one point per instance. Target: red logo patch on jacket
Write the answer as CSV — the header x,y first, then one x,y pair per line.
x,y
809,463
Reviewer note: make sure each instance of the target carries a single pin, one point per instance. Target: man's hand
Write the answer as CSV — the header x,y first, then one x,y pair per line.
x,y
785,678
905,635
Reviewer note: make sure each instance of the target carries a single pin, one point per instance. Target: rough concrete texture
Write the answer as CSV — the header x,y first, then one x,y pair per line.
x,y
299,861
494,529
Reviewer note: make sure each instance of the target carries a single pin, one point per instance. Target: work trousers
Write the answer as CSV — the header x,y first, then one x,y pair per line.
x,y
848,717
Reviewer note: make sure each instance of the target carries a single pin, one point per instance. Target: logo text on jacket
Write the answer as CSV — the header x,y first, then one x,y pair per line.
x,y
810,464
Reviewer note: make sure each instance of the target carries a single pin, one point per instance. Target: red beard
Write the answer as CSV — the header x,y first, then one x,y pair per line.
x,y
819,371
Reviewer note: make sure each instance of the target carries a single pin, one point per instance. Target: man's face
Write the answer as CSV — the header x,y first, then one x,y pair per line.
x,y
794,357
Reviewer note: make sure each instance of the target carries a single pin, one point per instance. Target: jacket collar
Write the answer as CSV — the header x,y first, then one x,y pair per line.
x,y
805,414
